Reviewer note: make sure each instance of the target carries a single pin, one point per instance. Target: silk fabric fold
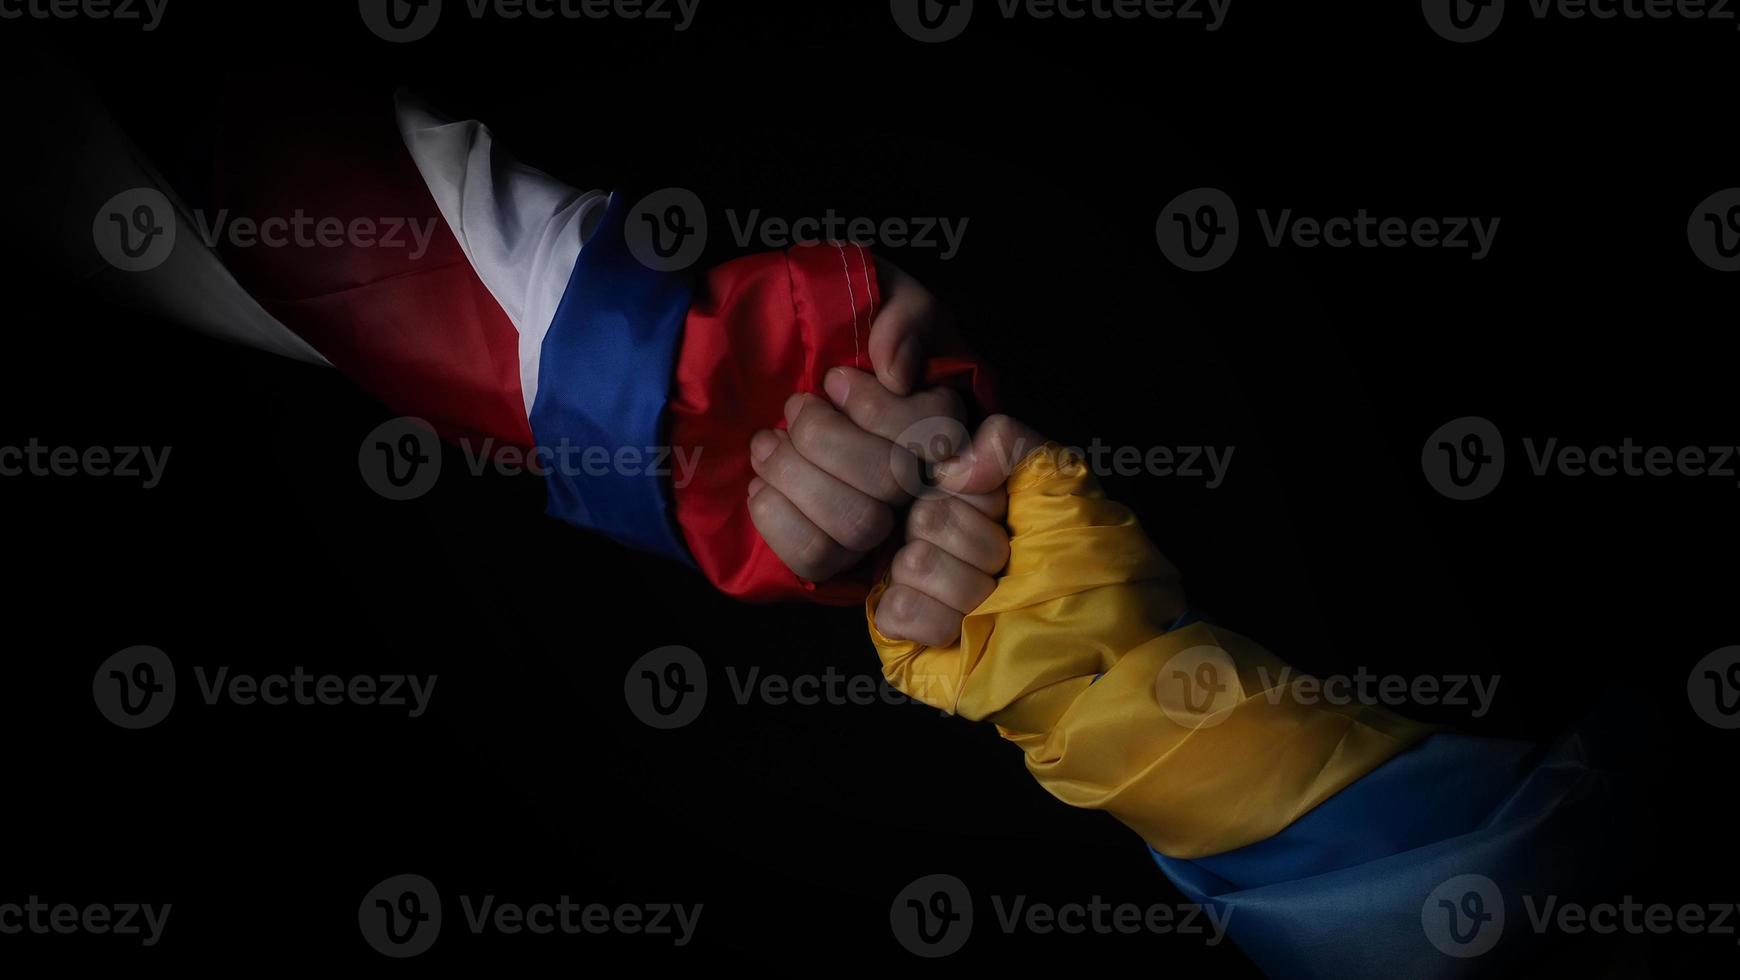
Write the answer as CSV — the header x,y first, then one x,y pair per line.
x,y
1194,736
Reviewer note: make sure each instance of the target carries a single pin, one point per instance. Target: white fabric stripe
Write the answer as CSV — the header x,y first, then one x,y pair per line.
x,y
97,161
521,228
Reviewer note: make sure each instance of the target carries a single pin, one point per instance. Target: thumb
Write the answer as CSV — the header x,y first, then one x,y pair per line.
x,y
906,331
998,447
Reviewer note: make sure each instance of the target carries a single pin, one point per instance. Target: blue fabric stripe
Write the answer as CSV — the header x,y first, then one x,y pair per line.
x,y
1348,889
603,381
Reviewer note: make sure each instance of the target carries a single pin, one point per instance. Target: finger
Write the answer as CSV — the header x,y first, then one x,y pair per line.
x,y
958,528
809,553
940,575
855,520
908,614
864,462
993,504
926,423
906,329
999,445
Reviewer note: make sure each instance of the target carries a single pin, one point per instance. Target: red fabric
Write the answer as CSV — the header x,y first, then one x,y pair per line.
x,y
762,328
421,334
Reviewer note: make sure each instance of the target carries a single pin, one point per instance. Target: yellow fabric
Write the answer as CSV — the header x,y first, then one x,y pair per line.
x,y
1177,737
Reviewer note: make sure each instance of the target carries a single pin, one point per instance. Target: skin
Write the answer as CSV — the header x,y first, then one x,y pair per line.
x,y
954,550
828,489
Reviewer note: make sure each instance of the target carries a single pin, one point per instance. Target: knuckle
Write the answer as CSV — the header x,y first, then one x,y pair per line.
x,y
781,468
898,608
865,408
947,402
816,555
998,428
762,509
864,523
805,432
915,561
1000,550
929,519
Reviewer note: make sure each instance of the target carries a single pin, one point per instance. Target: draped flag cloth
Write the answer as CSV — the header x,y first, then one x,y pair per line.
x,y
528,321
1339,841
1323,834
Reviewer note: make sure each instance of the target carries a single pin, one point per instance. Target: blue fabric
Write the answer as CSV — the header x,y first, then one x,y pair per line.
x,y
1349,889
603,381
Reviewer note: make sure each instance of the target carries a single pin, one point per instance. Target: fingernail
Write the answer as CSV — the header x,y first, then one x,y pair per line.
x,y
949,468
837,387
793,406
763,445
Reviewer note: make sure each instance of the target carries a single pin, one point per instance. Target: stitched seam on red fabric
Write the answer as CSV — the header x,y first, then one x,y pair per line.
x,y
869,290
851,304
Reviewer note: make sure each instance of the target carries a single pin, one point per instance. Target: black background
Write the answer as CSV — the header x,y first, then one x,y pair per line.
x,y
1060,143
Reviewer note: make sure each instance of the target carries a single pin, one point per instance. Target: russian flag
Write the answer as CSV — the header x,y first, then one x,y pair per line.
x,y
523,314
